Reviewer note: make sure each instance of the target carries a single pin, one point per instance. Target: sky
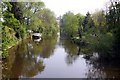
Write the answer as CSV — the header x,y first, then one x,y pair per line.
x,y
60,7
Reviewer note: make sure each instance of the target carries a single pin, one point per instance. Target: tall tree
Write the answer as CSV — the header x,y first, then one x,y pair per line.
x,y
99,19
31,11
87,22
48,21
80,18
113,22
17,10
69,24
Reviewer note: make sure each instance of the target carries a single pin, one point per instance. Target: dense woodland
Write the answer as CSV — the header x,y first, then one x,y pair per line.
x,y
96,32
19,17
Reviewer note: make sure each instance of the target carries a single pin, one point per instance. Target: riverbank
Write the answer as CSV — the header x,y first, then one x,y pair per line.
x,y
4,52
62,53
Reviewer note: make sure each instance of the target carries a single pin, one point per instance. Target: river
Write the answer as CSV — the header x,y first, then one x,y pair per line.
x,y
53,58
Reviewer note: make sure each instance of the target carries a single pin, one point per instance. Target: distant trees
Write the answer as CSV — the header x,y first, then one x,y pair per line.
x,y
87,22
100,30
48,22
71,23
74,26
80,19
99,19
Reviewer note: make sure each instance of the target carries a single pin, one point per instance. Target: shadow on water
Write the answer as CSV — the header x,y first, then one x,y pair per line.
x,y
100,69
27,60
72,50
97,68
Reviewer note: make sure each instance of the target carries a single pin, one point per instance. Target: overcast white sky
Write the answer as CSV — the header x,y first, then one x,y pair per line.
x,y
60,7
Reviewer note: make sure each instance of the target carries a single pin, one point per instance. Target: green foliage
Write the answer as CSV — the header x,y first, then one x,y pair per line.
x,y
113,21
20,32
69,25
8,39
4,53
6,5
12,30
7,36
39,19
104,37
49,24
88,22
20,16
99,19
103,44
80,18
31,13
10,20
17,10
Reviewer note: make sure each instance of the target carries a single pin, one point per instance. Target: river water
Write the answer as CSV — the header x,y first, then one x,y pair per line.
x,y
53,58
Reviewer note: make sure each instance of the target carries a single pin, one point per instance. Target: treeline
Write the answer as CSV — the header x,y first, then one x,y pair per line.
x,y
70,24
19,17
99,31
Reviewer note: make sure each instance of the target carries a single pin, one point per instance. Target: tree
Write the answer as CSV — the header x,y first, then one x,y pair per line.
x,y
11,22
87,22
113,21
20,16
12,30
17,10
49,24
31,12
69,24
80,19
99,19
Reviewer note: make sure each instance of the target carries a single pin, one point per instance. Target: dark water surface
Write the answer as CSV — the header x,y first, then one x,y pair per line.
x,y
54,58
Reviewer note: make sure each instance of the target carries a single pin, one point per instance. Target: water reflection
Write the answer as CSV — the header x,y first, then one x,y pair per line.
x,y
26,60
72,50
57,56
95,68
94,72
45,48
100,69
